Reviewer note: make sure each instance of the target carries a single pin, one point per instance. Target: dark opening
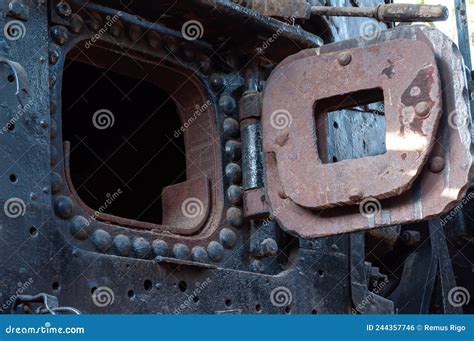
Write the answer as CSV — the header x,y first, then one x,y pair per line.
x,y
128,144
351,125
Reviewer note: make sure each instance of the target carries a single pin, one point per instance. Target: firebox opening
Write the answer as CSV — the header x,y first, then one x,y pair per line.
x,y
123,151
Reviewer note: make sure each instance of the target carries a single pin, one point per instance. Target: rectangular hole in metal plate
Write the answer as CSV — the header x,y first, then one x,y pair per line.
x,y
350,126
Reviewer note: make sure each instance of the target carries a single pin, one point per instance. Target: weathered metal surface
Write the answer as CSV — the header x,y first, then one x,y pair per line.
x,y
407,73
433,194
54,248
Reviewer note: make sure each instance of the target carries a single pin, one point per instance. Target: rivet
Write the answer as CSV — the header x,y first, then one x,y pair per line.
x,y
116,29
153,39
170,44
217,81
234,216
59,35
233,173
78,227
102,240
344,58
122,244
53,56
181,251
54,156
199,254
76,24
231,128
43,124
228,238
233,150
215,251
227,104
141,247
234,194
422,109
93,21
437,164
52,107
53,129
63,206
134,33
56,182
160,247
